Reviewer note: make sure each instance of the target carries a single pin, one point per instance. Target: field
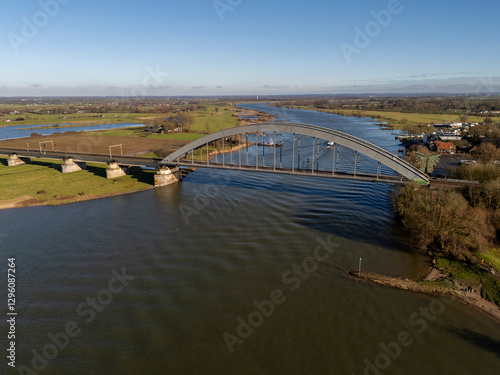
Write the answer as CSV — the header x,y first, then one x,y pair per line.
x,y
95,142
206,121
209,121
139,132
398,119
42,183
413,118
206,118
76,119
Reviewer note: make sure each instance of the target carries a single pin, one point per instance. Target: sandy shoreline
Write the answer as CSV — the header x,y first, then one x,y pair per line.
x,y
28,201
471,299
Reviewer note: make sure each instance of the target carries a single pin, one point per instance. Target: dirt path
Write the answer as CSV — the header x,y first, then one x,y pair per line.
x,y
15,202
472,299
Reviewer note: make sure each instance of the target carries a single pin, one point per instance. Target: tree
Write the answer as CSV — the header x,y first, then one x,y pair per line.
x,y
185,120
463,118
403,122
488,121
443,221
488,152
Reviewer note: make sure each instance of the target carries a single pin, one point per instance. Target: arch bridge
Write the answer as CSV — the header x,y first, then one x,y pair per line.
x,y
185,156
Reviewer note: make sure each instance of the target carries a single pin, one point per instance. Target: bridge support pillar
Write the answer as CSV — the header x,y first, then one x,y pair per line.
x,y
70,165
15,160
165,176
114,170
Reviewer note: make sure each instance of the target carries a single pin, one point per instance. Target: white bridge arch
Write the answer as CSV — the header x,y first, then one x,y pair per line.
x,y
370,150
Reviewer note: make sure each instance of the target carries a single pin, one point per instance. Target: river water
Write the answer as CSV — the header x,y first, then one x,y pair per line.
x,y
166,281
22,131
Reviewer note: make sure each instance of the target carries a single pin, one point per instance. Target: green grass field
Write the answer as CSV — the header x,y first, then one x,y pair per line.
x,y
204,117
43,183
87,118
466,274
211,121
206,120
414,118
492,258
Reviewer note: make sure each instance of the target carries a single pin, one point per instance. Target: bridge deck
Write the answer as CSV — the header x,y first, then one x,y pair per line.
x,y
299,172
97,158
155,162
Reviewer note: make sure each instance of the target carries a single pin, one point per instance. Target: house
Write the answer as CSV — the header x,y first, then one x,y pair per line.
x,y
474,150
445,148
430,139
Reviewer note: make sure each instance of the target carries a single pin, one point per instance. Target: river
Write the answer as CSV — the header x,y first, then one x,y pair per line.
x,y
22,131
234,273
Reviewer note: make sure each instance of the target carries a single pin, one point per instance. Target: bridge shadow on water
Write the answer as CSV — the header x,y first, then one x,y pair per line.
x,y
354,210
478,339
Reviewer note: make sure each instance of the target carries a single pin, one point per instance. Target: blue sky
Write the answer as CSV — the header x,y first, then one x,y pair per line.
x,y
247,47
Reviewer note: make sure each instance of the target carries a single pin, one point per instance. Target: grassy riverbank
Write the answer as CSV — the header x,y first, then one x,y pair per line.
x,y
458,228
394,119
42,183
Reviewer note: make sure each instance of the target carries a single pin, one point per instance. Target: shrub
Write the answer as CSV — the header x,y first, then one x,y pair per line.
x,y
491,290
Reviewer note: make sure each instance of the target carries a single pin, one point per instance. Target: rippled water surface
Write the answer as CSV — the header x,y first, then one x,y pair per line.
x,y
198,257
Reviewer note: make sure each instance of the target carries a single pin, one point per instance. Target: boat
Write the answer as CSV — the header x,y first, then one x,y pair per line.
x,y
271,144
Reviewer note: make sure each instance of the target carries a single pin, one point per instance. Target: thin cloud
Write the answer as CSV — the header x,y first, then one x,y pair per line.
x,y
274,87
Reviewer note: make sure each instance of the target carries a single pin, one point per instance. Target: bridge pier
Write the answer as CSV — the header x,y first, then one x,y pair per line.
x,y
70,165
114,170
165,176
14,160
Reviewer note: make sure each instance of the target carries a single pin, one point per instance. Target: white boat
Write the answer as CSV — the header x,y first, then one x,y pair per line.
x,y
330,144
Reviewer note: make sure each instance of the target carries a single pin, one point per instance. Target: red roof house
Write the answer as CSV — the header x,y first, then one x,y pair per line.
x,y
446,148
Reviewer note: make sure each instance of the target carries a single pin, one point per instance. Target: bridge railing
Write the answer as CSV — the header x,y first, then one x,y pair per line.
x,y
337,138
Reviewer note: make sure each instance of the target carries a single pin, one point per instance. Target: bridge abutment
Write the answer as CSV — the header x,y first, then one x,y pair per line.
x,y
115,170
165,176
70,165
15,160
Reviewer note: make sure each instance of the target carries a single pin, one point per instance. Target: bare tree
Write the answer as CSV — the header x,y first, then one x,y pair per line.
x,y
186,120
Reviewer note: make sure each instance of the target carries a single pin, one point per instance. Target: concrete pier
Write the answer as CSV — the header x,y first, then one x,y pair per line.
x,y
166,176
15,160
70,165
114,170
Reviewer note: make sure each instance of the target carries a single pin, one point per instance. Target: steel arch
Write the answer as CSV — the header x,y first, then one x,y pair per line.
x,y
372,151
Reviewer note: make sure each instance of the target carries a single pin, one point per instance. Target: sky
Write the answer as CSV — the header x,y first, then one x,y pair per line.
x,y
247,47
